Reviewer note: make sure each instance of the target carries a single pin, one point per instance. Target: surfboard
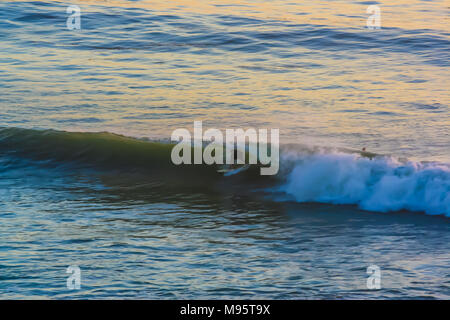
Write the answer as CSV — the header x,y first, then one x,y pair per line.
x,y
229,171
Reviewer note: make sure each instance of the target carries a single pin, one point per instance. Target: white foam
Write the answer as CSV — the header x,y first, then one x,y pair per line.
x,y
381,184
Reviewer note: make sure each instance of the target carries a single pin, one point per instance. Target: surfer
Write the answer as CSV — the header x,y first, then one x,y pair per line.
x,y
367,154
234,167
235,158
235,164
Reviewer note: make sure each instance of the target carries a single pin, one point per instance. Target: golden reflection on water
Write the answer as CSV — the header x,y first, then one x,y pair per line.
x,y
405,14
140,89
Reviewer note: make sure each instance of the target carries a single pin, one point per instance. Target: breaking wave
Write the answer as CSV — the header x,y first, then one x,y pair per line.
x,y
378,184
325,175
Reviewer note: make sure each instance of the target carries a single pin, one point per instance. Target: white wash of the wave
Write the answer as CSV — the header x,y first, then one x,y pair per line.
x,y
380,184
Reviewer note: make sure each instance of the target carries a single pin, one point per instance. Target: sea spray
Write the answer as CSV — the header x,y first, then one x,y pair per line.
x,y
380,184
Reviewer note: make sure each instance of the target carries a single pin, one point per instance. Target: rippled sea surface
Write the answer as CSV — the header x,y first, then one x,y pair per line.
x,y
144,68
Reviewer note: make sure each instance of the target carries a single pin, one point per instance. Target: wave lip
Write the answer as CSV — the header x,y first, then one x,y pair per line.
x,y
381,184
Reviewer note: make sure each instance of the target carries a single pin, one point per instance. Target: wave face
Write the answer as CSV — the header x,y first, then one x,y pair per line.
x,y
380,184
104,151
93,148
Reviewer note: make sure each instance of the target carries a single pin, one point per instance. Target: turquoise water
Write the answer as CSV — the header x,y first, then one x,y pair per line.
x,y
139,227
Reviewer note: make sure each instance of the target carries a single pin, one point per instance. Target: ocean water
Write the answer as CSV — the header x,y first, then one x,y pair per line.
x,y
85,171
